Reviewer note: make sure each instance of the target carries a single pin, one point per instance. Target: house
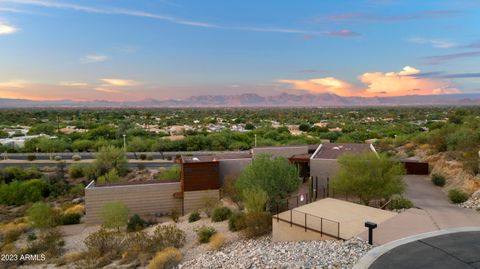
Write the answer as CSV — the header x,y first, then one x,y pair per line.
x,y
323,162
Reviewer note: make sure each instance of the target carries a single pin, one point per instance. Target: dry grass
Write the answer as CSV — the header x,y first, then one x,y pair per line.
x,y
217,241
166,259
76,209
12,231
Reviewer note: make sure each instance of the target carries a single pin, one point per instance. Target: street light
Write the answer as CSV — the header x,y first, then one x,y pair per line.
x,y
125,142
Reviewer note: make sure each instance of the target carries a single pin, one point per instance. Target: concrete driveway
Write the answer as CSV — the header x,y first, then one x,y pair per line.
x,y
436,204
433,212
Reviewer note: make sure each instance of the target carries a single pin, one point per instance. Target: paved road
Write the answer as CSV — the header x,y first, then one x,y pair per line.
x,y
131,164
433,212
454,250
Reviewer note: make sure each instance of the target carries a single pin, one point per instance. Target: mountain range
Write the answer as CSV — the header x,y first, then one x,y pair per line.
x,y
255,100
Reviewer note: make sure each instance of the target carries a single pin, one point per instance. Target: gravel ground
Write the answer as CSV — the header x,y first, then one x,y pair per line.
x,y
263,253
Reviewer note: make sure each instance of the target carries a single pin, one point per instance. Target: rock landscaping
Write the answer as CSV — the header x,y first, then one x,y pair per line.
x,y
473,202
263,253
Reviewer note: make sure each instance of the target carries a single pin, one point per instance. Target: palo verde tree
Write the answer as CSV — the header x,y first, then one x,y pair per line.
x,y
274,175
109,158
114,215
369,176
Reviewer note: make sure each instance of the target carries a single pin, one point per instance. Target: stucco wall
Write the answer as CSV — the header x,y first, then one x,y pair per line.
x,y
323,169
141,199
194,200
232,167
286,152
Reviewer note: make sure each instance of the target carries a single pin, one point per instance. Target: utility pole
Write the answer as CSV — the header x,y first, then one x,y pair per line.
x,y
255,140
125,142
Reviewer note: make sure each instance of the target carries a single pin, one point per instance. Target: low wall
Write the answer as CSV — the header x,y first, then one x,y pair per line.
x,y
141,199
194,200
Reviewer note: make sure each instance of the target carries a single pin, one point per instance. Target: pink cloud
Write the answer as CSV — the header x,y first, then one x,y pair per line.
x,y
399,83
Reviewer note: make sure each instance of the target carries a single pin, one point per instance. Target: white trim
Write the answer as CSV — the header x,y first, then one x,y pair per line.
x,y
316,152
136,185
90,184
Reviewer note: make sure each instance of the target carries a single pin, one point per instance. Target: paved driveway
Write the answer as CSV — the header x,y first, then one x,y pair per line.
x,y
436,204
433,212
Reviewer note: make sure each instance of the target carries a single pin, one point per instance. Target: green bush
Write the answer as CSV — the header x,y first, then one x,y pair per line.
x,y
457,196
70,218
42,215
205,233
194,216
255,199
76,171
221,214
136,223
168,236
31,157
257,224
18,193
438,180
149,158
76,158
143,156
399,202
77,190
58,158
236,222
170,173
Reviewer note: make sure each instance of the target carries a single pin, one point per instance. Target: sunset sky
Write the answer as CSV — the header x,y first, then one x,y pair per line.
x,y
165,49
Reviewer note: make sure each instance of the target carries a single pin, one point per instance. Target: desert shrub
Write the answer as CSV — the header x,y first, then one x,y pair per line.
x,y
217,241
143,156
42,215
168,236
209,203
76,158
175,214
457,196
194,216
114,215
399,202
70,218
110,177
31,157
149,158
136,223
49,242
221,214
166,259
76,170
137,245
255,199
236,221
257,224
229,189
58,158
205,233
103,241
78,190
76,209
170,173
10,232
438,180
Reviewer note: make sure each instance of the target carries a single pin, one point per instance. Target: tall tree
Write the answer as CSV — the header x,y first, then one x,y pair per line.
x,y
369,176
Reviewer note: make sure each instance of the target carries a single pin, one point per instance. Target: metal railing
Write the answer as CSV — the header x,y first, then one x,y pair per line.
x,y
310,222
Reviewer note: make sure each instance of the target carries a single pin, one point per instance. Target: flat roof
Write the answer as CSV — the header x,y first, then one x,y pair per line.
x,y
334,150
215,157
351,216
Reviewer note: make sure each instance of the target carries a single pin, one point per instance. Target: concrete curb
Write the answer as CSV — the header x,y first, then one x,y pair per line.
x,y
375,253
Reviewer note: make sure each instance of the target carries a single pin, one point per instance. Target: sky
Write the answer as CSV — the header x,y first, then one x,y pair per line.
x,y
171,49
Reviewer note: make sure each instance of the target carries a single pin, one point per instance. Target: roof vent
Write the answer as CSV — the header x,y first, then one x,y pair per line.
x,y
195,159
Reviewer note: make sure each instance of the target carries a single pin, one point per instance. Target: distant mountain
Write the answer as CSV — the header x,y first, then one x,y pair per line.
x,y
255,100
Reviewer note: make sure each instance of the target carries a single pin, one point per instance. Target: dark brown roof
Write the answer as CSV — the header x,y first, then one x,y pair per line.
x,y
333,150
